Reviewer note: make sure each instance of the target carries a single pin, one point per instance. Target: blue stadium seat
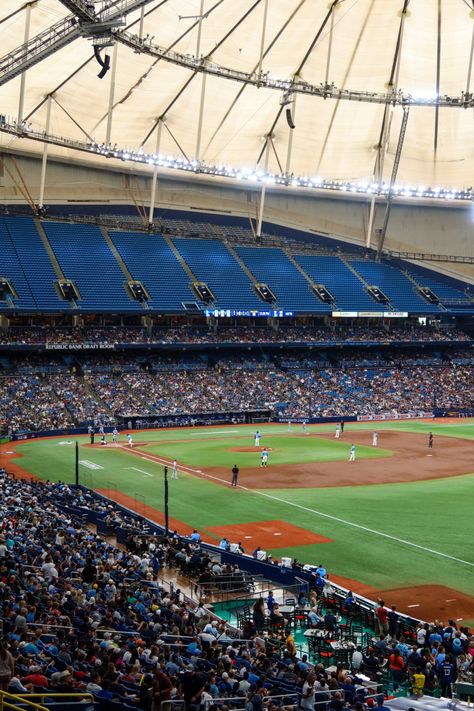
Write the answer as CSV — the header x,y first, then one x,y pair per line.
x,y
10,268
211,262
448,295
150,260
86,258
25,263
271,266
399,289
341,282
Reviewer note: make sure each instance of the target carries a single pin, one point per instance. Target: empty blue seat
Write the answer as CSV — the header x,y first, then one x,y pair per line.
x,y
150,260
85,257
394,284
349,291
270,265
211,262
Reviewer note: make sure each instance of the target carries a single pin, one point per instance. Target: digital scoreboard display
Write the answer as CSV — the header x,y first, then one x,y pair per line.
x,y
266,313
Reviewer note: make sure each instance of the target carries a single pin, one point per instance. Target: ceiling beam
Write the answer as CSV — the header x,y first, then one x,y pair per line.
x,y
38,48
393,178
265,81
69,28
84,11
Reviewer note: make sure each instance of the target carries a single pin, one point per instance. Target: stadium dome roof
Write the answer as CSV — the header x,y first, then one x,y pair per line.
x,y
221,81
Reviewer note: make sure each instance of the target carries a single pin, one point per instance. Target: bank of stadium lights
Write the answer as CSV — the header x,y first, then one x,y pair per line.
x,y
259,176
26,130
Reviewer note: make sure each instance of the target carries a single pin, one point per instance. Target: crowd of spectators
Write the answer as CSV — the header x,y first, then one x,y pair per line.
x,y
289,386
29,403
83,616
97,336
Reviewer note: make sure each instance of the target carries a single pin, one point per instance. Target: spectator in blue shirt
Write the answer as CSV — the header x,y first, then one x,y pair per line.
x,y
271,602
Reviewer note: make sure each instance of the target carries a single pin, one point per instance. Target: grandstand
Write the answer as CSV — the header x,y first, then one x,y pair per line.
x,y
169,268
236,355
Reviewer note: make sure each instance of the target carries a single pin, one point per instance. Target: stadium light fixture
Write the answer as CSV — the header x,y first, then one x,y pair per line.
x,y
359,187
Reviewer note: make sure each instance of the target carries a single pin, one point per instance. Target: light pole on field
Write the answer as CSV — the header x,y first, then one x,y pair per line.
x,y
77,465
166,500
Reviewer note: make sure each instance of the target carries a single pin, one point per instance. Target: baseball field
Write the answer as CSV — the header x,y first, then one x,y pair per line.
x,y
396,522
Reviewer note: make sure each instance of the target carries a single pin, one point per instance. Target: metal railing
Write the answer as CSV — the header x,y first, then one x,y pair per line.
x,y
231,702
55,696
17,702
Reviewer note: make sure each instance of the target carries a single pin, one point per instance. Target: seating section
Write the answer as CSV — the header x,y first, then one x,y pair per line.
x,y
271,266
11,269
399,289
341,282
34,262
211,262
86,258
446,294
150,260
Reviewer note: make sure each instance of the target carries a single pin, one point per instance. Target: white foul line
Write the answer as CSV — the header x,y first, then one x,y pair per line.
x,y
140,470
159,460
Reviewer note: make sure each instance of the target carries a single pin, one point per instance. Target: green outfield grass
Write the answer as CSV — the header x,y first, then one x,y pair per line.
x,y
200,449
389,535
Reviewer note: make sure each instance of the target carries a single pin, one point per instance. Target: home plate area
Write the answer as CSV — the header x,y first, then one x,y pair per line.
x,y
267,535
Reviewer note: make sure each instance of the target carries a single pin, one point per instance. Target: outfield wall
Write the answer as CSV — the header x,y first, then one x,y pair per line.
x,y
212,419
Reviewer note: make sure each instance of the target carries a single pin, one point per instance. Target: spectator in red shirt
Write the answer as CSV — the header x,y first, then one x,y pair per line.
x,y
381,614
36,677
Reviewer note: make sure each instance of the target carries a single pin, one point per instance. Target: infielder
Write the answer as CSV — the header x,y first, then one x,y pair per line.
x,y
114,435
174,469
353,453
264,457
338,430
257,438
375,439
130,440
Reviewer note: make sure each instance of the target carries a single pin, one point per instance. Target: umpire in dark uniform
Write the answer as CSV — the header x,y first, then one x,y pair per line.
x,y
235,475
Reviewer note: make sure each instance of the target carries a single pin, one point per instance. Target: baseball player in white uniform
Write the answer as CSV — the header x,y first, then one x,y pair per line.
x,y
375,439
174,469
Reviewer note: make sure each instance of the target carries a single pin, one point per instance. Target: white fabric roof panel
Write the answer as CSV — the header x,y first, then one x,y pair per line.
x,y
333,139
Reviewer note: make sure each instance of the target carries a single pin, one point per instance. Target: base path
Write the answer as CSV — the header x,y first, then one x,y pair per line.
x,y
431,602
